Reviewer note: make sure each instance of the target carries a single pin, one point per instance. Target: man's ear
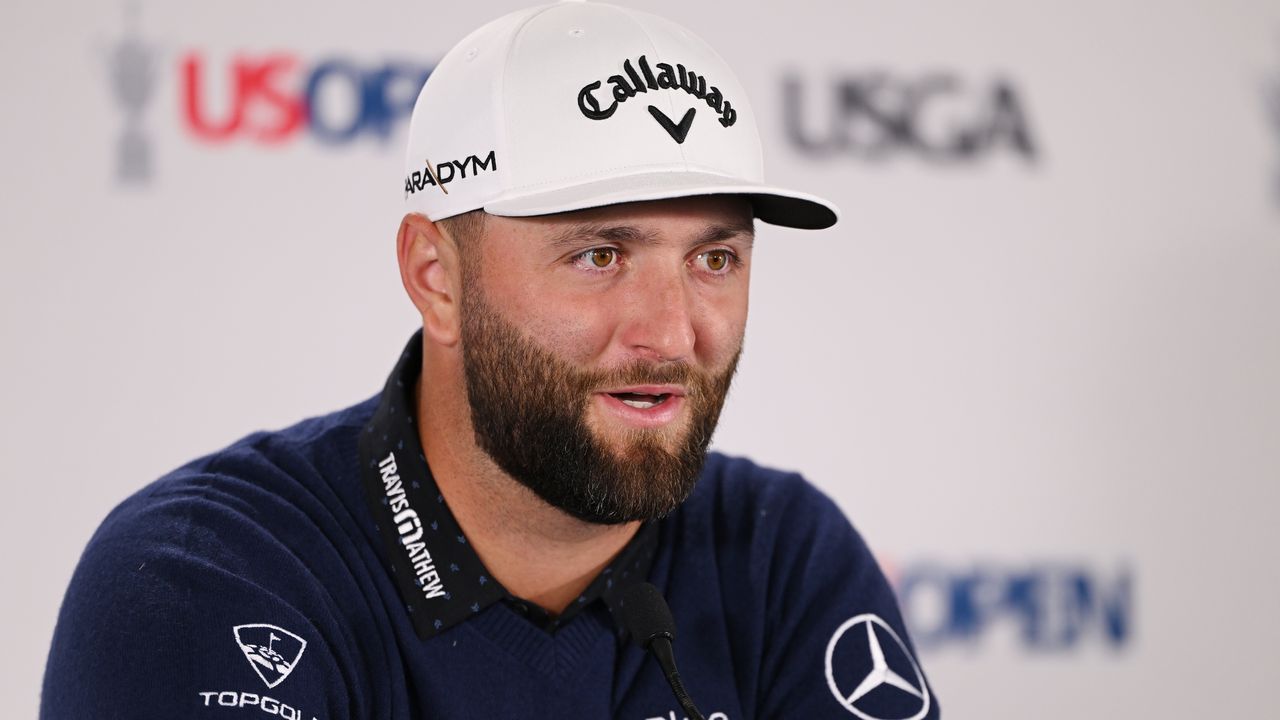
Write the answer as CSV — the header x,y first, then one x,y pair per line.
x,y
430,271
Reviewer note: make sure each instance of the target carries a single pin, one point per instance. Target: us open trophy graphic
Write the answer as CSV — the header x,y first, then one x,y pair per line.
x,y
132,67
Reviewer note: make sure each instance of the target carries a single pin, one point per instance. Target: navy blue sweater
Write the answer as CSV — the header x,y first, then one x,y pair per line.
x,y
298,574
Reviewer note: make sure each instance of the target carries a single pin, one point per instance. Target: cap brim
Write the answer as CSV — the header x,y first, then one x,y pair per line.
x,y
776,206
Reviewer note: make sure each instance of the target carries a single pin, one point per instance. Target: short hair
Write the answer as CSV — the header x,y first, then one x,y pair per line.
x,y
465,229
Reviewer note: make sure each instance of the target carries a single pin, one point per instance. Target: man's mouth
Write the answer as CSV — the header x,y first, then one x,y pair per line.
x,y
643,406
641,401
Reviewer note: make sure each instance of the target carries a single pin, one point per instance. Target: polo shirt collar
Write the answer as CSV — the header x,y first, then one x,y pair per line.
x,y
437,573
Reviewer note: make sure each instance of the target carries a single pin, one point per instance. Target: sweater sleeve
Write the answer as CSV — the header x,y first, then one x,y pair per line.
x,y
188,603
836,645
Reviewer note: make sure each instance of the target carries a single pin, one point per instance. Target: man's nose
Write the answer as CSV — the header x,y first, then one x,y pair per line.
x,y
658,320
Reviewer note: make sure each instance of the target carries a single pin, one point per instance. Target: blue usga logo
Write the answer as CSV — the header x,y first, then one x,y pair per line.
x,y
939,117
1045,607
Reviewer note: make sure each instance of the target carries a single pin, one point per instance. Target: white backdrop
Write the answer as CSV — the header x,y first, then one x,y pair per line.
x,y
1038,362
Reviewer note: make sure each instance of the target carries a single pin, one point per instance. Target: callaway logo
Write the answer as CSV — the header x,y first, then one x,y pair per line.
x,y
872,674
666,78
272,652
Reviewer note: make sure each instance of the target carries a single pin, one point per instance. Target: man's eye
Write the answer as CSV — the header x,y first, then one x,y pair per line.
x,y
717,261
597,258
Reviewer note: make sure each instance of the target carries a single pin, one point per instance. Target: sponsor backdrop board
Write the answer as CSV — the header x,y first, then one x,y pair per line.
x,y
1038,362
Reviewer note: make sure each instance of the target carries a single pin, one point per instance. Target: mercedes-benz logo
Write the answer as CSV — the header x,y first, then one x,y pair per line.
x,y
867,681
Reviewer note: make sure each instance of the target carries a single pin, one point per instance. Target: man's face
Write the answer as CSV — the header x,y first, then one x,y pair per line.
x,y
598,347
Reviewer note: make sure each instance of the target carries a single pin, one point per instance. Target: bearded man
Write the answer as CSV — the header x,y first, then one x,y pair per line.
x,y
582,186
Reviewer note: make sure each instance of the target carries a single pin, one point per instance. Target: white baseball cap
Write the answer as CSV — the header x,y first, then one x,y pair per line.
x,y
576,105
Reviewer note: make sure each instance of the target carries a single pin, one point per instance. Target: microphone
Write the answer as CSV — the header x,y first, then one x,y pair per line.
x,y
646,617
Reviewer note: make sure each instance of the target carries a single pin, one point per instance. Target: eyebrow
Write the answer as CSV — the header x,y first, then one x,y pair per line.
x,y
588,232
719,233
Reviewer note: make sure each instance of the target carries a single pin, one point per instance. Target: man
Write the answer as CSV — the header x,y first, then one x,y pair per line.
x,y
581,188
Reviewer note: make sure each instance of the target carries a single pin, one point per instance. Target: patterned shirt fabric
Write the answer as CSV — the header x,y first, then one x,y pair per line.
x,y
316,573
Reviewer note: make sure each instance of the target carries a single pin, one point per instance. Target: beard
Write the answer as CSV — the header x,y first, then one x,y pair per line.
x,y
529,414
